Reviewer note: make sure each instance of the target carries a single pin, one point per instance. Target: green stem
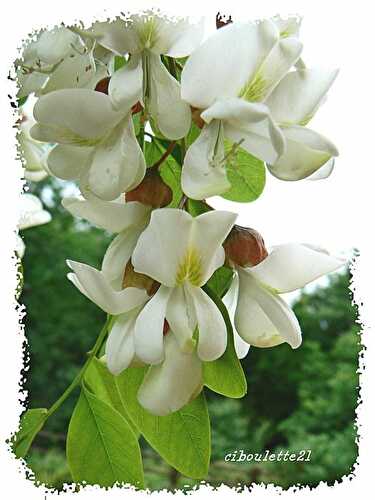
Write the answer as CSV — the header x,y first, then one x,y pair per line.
x,y
77,380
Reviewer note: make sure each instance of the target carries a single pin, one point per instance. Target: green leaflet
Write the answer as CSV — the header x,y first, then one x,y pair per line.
x,y
101,447
119,62
181,438
224,375
197,207
246,174
103,385
31,423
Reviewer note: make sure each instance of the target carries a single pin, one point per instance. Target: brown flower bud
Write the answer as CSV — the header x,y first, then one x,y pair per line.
x,y
137,280
151,191
102,85
245,247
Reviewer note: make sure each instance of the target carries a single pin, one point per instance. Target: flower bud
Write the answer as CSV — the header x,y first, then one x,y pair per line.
x,y
137,280
245,247
151,191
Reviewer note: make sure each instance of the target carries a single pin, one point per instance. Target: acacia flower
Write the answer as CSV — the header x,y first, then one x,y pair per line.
x,y
31,214
256,57
181,252
144,78
96,143
262,317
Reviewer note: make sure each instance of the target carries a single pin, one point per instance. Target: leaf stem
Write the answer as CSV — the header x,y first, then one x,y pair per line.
x,y
165,155
77,380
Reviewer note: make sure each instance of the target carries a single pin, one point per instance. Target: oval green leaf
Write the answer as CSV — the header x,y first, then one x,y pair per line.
x,y
31,423
101,447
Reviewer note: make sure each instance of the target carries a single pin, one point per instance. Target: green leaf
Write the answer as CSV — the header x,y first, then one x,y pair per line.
x,y
221,280
197,207
31,423
119,62
101,448
193,134
170,172
181,438
246,174
103,385
225,375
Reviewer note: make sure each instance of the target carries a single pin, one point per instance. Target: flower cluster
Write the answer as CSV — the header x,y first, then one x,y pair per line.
x,y
105,96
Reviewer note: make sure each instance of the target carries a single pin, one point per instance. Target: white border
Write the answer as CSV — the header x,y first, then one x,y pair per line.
x,y
341,30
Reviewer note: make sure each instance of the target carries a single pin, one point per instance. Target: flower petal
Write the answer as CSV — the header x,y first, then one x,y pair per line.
x,y
148,336
118,36
117,163
119,252
180,38
212,329
119,348
32,213
203,175
236,50
262,318
53,45
172,114
172,384
68,162
299,94
181,318
163,245
292,266
74,116
111,216
248,123
230,301
94,285
323,172
306,151
125,85
209,231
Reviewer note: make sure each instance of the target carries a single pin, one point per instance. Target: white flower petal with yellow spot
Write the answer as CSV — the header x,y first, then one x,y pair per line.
x,y
182,252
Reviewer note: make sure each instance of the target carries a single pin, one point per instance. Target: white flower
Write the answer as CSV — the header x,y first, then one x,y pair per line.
x,y
97,144
128,220
228,79
292,104
181,253
32,214
262,317
145,78
57,59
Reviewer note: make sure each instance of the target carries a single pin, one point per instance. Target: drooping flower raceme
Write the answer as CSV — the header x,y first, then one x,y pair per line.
x,y
262,317
144,78
96,143
181,253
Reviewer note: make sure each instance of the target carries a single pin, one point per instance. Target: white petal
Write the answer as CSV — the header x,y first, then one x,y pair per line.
x,y
32,213
172,384
163,245
248,123
289,26
306,151
281,58
68,162
236,50
74,116
20,247
323,172
181,318
119,252
212,330
230,301
111,216
262,318
204,173
75,71
118,36
119,348
125,86
117,163
299,94
292,266
209,231
182,37
172,114
53,45
93,284
148,337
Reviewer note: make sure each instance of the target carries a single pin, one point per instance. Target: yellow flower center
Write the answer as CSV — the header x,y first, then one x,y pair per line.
x,y
190,268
